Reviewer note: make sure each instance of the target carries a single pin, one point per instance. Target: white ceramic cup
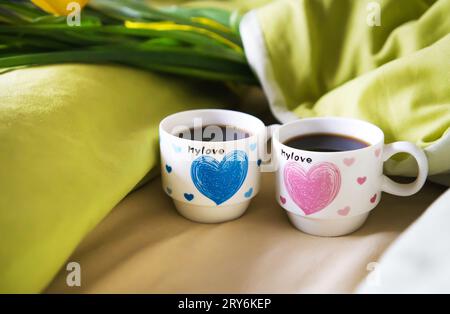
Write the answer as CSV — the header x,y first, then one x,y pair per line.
x,y
332,193
211,182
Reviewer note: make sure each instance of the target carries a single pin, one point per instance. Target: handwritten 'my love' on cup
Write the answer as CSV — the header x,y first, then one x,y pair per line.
x,y
210,162
330,172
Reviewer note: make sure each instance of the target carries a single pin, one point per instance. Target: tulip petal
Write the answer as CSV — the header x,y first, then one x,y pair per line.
x,y
57,7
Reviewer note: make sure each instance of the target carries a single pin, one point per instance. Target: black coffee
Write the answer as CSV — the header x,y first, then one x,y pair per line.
x,y
325,142
214,133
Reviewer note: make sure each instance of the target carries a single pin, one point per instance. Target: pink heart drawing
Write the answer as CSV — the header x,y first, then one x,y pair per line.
x,y
344,211
361,180
282,200
349,161
378,152
312,190
373,198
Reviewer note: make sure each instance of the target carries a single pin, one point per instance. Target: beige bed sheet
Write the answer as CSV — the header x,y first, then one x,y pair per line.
x,y
144,246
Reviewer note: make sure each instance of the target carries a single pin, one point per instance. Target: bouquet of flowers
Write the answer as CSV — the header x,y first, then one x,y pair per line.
x,y
191,41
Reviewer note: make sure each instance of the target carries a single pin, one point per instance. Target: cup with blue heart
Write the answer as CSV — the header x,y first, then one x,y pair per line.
x,y
210,162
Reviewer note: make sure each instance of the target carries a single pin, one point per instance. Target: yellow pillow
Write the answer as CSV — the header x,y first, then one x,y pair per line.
x,y
74,140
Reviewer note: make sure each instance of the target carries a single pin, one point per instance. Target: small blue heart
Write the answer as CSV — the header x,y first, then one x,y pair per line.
x,y
168,168
248,193
169,190
188,196
259,162
253,146
176,148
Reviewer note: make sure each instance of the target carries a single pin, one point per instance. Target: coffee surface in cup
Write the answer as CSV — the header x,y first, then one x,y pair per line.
x,y
214,133
325,142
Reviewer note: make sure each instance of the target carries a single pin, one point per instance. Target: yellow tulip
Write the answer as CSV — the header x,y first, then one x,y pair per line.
x,y
57,7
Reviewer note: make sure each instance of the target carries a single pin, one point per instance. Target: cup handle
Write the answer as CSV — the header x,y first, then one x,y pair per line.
x,y
395,188
266,157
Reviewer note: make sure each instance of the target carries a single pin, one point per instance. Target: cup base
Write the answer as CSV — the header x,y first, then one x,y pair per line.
x,y
327,227
211,214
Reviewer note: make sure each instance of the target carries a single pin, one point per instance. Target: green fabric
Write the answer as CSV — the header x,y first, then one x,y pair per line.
x,y
327,61
74,140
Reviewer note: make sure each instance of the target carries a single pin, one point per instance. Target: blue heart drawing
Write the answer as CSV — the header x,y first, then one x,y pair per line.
x,y
188,196
248,193
176,148
252,146
168,168
219,181
259,162
169,190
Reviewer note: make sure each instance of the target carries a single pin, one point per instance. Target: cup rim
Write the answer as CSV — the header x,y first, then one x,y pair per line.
x,y
253,135
320,119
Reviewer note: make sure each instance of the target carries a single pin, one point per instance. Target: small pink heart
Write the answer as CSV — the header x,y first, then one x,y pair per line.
x,y
282,200
373,198
361,180
349,161
344,211
378,152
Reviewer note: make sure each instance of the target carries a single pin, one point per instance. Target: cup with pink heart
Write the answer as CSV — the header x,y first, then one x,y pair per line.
x,y
330,172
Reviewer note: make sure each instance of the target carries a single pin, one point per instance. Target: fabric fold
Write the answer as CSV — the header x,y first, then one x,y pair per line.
x,y
322,58
418,261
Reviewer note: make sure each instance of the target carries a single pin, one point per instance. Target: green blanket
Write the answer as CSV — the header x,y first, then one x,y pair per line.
x,y
331,58
75,139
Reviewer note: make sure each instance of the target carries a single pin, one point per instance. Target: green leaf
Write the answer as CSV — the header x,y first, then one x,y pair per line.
x,y
171,60
29,36
140,11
